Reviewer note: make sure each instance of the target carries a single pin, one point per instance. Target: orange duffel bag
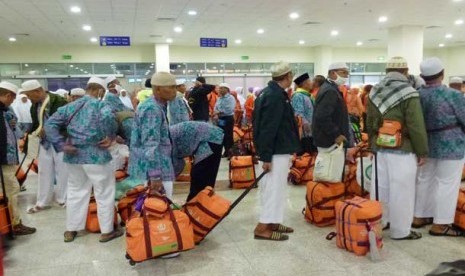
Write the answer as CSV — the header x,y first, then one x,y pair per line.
x,y
185,175
125,204
460,211
238,134
358,225
301,171
92,224
241,172
148,238
6,226
321,199
205,210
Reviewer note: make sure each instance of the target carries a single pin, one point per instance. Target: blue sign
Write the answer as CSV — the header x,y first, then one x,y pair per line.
x,y
213,42
115,41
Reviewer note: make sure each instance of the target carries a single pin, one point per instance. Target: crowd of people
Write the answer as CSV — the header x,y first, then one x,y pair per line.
x,y
415,125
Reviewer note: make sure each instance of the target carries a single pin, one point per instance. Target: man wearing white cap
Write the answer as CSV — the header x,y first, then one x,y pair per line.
x,y
178,109
223,114
397,134
276,138
91,127
22,108
456,83
438,181
76,94
9,156
51,167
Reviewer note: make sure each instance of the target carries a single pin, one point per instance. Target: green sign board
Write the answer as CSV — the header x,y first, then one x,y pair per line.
x,y
66,57
244,57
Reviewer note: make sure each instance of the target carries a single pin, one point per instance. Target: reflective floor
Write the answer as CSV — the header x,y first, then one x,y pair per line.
x,y
229,250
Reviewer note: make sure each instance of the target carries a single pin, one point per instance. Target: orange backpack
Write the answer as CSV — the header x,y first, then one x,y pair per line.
x,y
321,199
301,171
125,204
460,211
185,175
155,206
241,172
92,224
355,219
205,210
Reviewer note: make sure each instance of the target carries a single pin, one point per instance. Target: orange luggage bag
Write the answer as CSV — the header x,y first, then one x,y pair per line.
x,y
238,134
92,224
241,172
6,214
185,175
301,171
125,204
460,211
321,199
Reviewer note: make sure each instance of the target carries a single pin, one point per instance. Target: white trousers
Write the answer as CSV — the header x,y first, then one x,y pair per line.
x,y
168,186
82,178
396,181
437,190
273,190
51,169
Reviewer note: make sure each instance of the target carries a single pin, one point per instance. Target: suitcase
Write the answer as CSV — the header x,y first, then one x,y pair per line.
x,y
125,204
207,209
460,210
6,219
321,199
301,171
241,172
149,238
238,134
185,175
92,224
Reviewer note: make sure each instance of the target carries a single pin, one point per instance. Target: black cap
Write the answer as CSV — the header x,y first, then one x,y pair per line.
x,y
200,79
299,80
148,83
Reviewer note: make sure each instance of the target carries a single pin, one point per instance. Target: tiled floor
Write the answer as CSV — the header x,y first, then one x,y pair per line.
x,y
229,250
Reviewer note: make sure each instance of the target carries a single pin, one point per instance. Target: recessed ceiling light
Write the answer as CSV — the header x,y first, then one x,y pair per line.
x,y
457,0
178,29
382,19
448,36
86,27
294,15
77,68
441,45
238,41
359,43
12,39
71,65
458,22
75,9
301,42
334,33
260,31
46,69
169,40
93,39
26,65
192,12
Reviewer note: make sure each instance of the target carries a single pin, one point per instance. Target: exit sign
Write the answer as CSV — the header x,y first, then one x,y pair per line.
x,y
244,57
66,57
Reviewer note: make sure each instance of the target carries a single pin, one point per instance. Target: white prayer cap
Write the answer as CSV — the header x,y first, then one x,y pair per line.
x,y
62,92
30,85
163,79
109,79
9,86
338,65
77,92
431,66
280,69
97,80
180,82
224,85
456,80
397,63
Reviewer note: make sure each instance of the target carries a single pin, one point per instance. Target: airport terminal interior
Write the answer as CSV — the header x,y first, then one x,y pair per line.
x,y
140,49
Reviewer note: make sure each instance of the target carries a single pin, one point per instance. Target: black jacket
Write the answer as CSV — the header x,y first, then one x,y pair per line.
x,y
274,126
198,101
330,117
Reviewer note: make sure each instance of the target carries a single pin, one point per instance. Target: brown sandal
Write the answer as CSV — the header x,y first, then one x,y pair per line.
x,y
448,231
70,236
111,236
283,229
275,236
425,222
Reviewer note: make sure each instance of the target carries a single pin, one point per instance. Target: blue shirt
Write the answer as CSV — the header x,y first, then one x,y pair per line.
x,y
87,121
303,108
225,105
178,110
11,141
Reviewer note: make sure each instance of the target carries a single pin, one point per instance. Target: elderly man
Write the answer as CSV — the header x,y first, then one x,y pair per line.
x,y
276,137
198,100
9,156
91,126
51,167
397,134
302,103
178,109
224,115
76,93
456,83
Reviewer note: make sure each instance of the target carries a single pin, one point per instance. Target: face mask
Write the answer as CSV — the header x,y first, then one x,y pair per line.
x,y
340,80
118,88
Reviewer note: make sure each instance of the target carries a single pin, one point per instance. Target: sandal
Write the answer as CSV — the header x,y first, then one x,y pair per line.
x,y
425,221
37,209
21,230
111,236
448,232
412,236
275,236
282,229
387,227
70,236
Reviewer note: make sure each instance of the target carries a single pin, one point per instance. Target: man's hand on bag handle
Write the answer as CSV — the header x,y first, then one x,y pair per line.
x,y
421,161
266,166
340,139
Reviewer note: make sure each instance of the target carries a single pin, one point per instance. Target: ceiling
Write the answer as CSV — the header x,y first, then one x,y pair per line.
x,y
153,21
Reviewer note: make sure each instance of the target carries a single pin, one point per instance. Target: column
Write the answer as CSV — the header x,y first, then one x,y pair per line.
x,y
407,42
162,57
324,57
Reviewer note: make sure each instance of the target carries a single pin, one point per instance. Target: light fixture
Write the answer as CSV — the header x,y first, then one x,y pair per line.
x,y
93,39
301,42
46,70
12,39
458,22
71,65
238,41
441,45
75,9
169,40
294,15
85,72
359,43
457,0
178,29
334,33
382,19
448,36
192,12
77,68
26,65
86,27
260,31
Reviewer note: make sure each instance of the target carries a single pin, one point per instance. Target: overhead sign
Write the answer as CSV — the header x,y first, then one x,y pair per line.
x,y
115,41
213,42
244,57
66,57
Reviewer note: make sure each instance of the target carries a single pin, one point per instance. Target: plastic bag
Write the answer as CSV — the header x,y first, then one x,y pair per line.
x,y
329,164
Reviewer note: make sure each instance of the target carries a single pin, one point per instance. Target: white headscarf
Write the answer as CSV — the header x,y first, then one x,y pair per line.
x,y
126,100
22,110
240,96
